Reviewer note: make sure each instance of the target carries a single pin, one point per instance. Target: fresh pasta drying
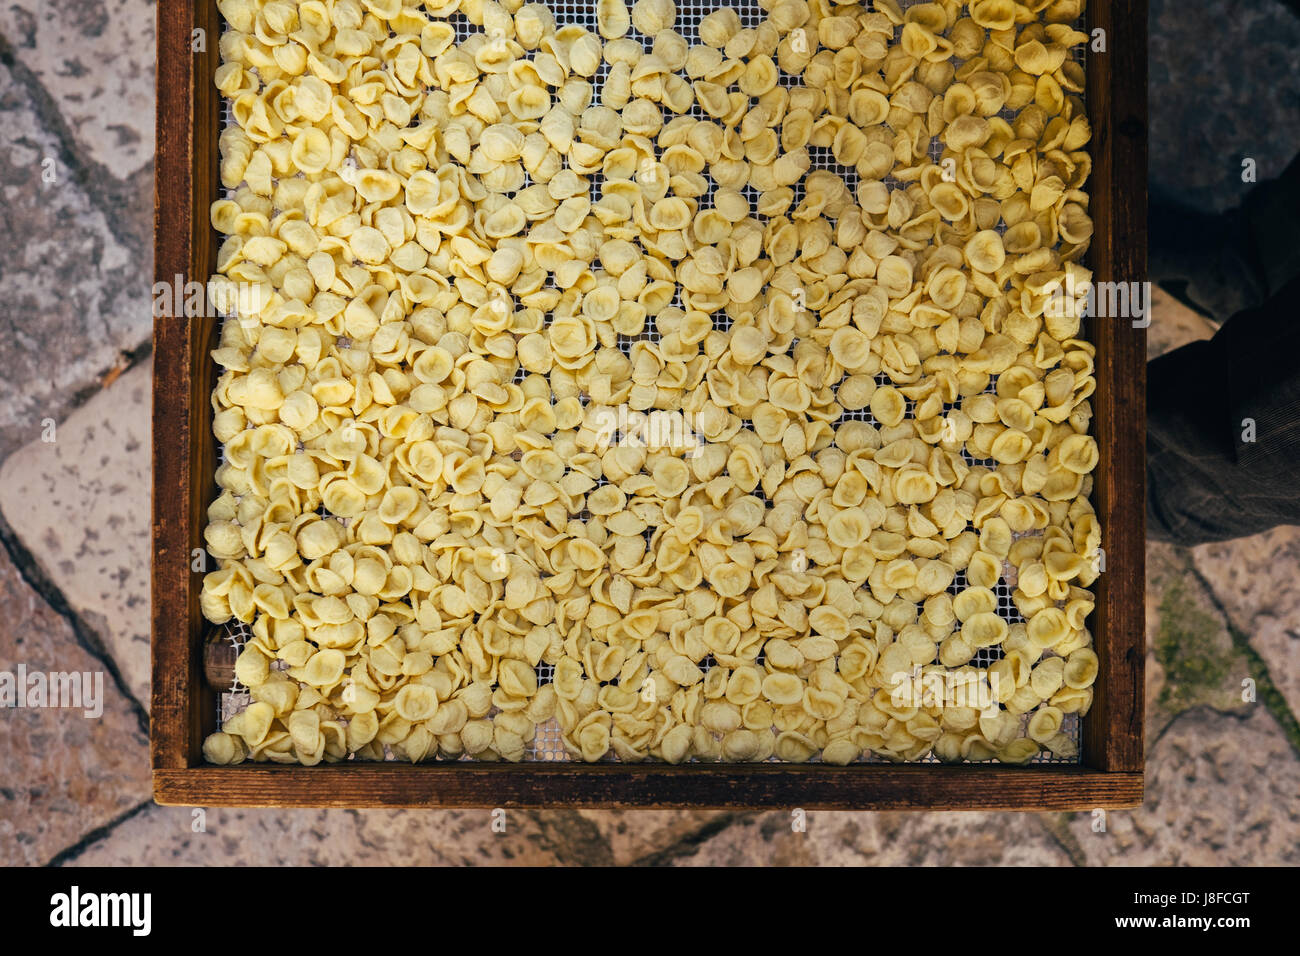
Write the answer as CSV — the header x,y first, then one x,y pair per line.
x,y
690,384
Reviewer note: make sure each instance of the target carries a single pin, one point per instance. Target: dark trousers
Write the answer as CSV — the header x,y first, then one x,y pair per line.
x,y
1223,428
1223,416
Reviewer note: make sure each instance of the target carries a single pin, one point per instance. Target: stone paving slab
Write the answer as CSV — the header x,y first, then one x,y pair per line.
x,y
1255,581
74,280
1224,86
1221,791
171,836
1173,324
80,505
166,836
95,60
65,774
851,838
1193,660
635,835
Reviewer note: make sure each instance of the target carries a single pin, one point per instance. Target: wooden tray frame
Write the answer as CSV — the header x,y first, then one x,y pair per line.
x,y
183,707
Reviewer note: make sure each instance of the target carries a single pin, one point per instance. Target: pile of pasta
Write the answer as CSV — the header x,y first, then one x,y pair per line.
x,y
826,246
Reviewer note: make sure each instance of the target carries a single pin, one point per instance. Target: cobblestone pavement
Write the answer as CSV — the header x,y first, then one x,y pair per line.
x,y
75,274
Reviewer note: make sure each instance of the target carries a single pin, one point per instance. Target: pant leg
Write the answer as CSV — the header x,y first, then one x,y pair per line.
x,y
1206,259
1272,214
1233,260
1223,428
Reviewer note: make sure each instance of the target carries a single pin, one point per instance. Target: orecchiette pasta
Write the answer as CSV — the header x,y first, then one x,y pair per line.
x,y
679,391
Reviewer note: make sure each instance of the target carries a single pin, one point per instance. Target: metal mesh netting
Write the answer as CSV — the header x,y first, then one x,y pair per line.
x,y
547,745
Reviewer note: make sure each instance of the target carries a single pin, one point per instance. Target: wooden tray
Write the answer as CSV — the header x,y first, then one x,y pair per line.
x,y
184,708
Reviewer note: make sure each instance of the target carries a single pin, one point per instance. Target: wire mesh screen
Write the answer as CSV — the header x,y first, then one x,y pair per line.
x,y
547,744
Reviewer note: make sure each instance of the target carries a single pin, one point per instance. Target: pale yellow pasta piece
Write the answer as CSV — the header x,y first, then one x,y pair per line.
x,y
1081,669
888,405
613,18
716,28
650,17
1048,627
